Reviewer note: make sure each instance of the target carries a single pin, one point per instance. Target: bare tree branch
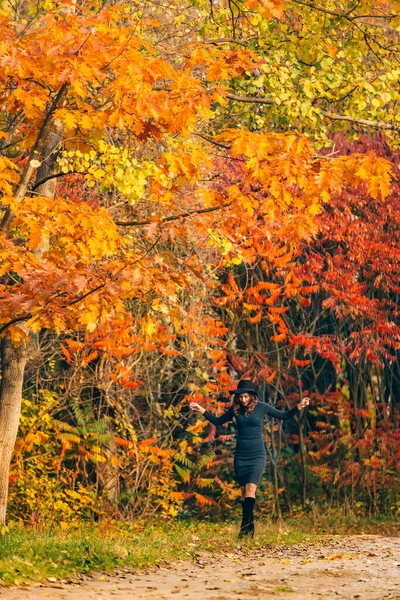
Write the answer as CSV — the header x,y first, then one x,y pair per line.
x,y
253,99
366,122
342,15
332,116
53,176
212,141
172,217
34,154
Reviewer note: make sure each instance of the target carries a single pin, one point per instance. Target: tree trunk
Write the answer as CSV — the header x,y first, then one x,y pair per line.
x,y
107,474
283,482
276,511
303,463
13,360
35,154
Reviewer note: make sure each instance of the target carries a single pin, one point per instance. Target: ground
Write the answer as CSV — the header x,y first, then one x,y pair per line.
x,y
345,567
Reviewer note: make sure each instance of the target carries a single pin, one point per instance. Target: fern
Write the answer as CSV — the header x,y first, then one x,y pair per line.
x,y
184,475
63,426
204,500
205,482
69,437
184,460
205,460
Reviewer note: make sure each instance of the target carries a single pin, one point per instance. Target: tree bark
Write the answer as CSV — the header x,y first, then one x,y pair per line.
x,y
35,154
13,360
276,511
303,463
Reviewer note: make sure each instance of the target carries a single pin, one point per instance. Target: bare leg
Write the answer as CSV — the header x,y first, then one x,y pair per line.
x,y
243,491
250,491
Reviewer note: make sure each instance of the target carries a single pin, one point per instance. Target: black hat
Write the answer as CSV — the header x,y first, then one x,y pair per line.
x,y
245,385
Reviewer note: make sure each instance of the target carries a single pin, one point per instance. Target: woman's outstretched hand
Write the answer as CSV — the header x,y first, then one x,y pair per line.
x,y
305,402
197,407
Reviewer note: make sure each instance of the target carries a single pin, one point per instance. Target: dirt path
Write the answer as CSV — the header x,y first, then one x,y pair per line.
x,y
364,567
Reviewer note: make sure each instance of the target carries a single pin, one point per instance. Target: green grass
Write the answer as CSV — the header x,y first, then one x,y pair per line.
x,y
336,523
28,555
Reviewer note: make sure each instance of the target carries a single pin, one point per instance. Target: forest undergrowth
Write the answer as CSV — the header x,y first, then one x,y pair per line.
x,y
32,555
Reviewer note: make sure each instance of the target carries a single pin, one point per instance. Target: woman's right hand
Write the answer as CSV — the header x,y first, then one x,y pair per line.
x,y
196,407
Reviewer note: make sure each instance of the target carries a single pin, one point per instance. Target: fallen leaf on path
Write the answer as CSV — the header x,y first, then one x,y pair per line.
x,y
212,588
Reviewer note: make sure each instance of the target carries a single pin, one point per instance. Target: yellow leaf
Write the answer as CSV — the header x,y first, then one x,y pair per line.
x,y
69,121
86,122
150,328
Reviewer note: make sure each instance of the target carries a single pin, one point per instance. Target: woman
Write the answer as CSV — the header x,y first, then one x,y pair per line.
x,y
250,454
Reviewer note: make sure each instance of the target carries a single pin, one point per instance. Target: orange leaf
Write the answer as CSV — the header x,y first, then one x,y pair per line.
x,y
256,319
204,500
278,338
91,357
132,385
66,353
300,363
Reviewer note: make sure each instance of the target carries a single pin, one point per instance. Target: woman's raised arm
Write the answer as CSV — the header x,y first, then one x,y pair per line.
x,y
284,414
227,416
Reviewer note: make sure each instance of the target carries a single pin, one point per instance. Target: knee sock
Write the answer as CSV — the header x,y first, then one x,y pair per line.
x,y
248,507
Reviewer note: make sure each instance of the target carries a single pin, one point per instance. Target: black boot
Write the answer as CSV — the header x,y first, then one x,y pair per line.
x,y
242,523
251,518
251,529
247,527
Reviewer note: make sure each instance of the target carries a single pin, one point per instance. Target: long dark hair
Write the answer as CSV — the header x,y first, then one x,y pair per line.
x,y
247,409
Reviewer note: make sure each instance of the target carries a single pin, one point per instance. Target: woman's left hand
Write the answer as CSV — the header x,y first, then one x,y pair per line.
x,y
305,402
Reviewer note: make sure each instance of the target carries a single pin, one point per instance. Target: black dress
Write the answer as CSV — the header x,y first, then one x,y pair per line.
x,y
250,454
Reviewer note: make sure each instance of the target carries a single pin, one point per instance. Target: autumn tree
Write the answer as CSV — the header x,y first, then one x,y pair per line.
x,y
325,321
133,122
